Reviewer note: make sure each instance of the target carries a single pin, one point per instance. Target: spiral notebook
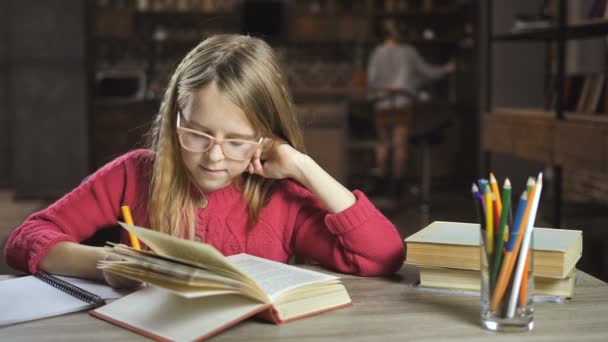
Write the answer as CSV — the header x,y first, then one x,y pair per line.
x,y
43,295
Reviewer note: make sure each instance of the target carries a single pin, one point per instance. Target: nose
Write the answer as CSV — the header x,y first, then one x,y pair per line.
x,y
216,153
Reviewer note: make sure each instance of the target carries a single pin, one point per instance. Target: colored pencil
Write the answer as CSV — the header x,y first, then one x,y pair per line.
x,y
489,222
483,184
519,215
496,191
529,184
506,196
523,253
478,205
509,259
524,282
496,214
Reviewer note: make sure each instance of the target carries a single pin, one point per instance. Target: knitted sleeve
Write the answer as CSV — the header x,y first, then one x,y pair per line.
x,y
358,240
93,205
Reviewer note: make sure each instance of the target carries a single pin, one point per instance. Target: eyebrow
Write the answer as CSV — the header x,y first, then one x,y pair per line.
x,y
228,135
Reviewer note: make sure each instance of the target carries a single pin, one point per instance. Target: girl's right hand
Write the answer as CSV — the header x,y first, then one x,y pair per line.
x,y
116,281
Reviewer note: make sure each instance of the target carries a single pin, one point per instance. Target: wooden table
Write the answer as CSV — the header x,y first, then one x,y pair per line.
x,y
385,309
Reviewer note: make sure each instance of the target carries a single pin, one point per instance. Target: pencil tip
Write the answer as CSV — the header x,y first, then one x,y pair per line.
x,y
474,188
507,183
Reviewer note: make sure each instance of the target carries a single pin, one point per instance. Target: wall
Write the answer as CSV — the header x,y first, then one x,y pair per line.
x,y
517,71
48,91
5,113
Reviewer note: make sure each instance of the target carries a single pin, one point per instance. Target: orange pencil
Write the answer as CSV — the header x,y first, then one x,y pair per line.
x,y
126,215
509,258
524,282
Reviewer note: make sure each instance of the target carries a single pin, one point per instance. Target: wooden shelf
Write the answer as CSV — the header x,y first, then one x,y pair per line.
x,y
199,14
582,29
447,11
579,142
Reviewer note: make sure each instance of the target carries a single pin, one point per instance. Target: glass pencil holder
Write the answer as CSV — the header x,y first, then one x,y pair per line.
x,y
507,286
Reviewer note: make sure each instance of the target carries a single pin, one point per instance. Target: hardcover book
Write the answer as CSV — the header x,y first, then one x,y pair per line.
x,y
456,245
196,292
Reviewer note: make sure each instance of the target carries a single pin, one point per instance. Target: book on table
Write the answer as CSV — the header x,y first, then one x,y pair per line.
x,y
197,292
468,280
456,245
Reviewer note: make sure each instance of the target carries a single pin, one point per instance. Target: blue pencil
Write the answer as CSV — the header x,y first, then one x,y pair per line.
x,y
519,214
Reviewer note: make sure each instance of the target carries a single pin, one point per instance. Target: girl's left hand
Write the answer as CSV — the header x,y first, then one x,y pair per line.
x,y
275,159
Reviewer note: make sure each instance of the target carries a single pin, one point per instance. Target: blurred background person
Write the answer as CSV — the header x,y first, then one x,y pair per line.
x,y
395,73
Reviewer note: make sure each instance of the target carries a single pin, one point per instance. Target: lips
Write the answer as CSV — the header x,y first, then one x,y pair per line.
x,y
206,169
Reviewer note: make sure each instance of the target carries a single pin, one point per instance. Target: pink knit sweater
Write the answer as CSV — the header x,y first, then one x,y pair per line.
x,y
358,240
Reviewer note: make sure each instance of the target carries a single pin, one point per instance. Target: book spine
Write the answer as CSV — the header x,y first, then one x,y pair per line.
x,y
70,289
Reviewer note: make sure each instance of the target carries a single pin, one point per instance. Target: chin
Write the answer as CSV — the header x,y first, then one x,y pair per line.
x,y
208,186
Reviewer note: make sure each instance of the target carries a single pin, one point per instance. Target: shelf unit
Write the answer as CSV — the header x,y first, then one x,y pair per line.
x,y
553,136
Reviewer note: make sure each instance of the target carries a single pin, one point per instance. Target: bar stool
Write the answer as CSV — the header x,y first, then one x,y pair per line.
x,y
425,139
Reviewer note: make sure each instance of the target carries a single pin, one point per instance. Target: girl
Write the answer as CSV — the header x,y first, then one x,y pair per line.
x,y
395,72
226,166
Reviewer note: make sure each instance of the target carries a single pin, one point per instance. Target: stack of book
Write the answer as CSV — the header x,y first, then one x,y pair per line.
x,y
447,256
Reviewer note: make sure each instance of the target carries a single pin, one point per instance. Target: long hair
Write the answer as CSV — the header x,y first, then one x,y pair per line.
x,y
246,71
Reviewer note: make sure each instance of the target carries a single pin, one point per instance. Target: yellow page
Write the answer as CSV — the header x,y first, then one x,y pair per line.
x,y
195,253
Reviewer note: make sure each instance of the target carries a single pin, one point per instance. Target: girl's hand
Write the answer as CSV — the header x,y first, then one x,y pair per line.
x,y
116,281
275,159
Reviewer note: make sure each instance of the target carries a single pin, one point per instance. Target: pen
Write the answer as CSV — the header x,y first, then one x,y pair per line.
x,y
126,214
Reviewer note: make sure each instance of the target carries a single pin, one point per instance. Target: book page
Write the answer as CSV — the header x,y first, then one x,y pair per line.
x,y
276,278
156,264
195,253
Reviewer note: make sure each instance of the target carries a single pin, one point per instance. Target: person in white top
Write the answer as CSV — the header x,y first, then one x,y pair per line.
x,y
395,72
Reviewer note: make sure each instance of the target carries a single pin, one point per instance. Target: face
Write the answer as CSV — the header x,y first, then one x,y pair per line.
x,y
210,112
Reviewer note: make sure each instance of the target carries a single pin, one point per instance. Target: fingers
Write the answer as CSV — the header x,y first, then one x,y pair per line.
x,y
119,282
257,163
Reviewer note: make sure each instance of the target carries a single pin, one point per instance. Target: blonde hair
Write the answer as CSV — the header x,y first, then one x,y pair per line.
x,y
246,71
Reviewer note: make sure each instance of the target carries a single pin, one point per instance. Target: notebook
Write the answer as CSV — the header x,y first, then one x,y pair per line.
x,y
34,297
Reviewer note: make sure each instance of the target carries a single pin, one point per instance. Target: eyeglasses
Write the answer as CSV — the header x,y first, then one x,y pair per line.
x,y
235,149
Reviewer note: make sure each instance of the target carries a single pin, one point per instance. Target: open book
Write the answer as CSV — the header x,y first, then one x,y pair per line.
x,y
199,292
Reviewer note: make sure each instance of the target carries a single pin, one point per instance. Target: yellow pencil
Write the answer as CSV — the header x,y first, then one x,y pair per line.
x,y
489,222
126,214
